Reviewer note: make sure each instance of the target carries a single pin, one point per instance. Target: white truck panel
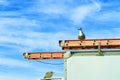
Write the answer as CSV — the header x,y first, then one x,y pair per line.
x,y
92,67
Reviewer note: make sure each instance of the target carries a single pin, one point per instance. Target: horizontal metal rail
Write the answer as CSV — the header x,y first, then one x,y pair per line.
x,y
94,50
60,55
89,44
43,55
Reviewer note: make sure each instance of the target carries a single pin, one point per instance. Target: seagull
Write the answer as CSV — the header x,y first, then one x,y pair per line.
x,y
48,74
81,35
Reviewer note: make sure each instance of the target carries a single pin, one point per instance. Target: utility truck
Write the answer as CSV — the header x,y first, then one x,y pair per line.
x,y
85,59
90,59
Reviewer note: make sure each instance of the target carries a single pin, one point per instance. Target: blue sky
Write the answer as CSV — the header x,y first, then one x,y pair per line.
x,y
38,25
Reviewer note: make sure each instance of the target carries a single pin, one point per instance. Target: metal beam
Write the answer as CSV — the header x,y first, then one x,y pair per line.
x,y
89,44
43,55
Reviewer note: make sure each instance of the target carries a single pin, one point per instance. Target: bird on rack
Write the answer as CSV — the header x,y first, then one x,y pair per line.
x,y
81,35
48,75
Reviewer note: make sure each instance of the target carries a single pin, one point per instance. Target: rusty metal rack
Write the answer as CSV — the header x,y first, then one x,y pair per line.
x,y
89,44
43,55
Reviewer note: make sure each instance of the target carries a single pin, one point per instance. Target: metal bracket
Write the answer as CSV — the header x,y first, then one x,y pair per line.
x,y
81,46
94,46
63,43
99,49
26,55
107,44
67,55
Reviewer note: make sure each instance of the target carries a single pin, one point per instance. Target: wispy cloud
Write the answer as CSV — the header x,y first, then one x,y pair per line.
x,y
109,16
4,2
33,40
63,8
21,30
17,22
15,76
16,65
97,4
79,14
10,14
38,25
14,62
49,7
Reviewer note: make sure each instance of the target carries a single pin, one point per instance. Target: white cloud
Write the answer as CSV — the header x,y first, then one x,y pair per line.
x,y
97,4
14,62
29,40
9,14
16,22
19,32
61,8
50,7
116,29
52,10
79,14
7,76
109,16
38,69
21,77
104,33
4,2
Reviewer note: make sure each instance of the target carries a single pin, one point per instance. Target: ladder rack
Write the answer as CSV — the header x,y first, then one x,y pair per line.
x,y
43,55
89,44
75,45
